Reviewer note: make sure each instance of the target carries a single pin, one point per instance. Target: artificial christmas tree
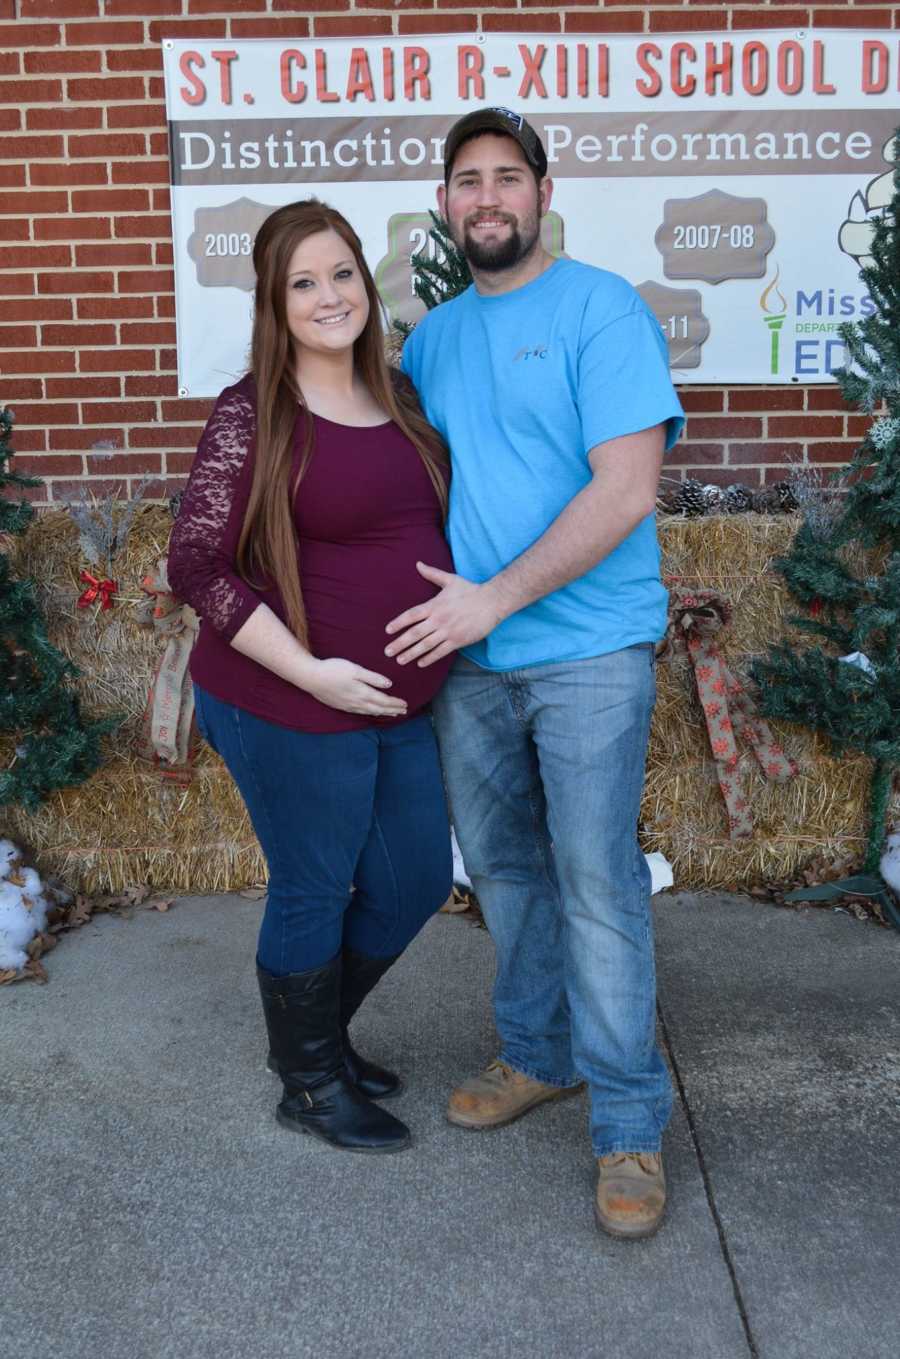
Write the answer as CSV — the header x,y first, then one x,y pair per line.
x,y
445,275
51,747
436,278
844,569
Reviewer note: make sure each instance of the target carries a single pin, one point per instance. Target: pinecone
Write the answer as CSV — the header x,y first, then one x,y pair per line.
x,y
175,503
787,501
766,501
712,499
737,499
690,499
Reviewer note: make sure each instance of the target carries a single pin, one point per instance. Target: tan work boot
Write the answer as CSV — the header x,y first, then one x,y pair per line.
x,y
631,1194
498,1095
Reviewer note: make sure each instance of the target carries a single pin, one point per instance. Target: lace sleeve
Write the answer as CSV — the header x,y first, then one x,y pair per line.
x,y
204,540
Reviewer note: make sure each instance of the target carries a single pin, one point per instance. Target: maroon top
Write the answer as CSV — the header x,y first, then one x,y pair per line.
x,y
365,513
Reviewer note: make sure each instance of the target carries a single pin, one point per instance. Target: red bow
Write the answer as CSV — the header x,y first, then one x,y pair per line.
x,y
104,588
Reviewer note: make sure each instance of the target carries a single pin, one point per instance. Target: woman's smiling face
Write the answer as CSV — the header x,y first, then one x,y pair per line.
x,y
327,304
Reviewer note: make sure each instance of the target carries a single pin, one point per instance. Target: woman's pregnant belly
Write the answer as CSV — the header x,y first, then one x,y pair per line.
x,y
352,593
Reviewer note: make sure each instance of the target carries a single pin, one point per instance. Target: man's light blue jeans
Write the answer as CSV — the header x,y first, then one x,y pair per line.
x,y
544,769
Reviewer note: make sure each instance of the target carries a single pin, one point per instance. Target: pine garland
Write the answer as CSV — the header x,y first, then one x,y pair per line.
x,y
54,746
852,608
14,517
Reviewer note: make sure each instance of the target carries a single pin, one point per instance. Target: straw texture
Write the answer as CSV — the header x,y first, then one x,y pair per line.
x,y
128,825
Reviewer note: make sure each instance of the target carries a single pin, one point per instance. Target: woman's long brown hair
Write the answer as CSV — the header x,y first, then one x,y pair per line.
x,y
267,546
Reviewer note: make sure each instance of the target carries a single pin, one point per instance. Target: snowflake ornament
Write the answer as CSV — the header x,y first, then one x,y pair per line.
x,y
884,432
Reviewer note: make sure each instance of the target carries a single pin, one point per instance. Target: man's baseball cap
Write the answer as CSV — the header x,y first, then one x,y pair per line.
x,y
501,120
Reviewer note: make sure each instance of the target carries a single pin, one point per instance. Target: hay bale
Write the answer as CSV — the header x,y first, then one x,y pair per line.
x,y
822,812
128,825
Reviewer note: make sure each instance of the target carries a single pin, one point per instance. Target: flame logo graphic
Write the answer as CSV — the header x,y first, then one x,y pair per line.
x,y
764,298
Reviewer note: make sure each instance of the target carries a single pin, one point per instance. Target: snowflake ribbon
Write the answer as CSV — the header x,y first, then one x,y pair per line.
x,y
104,588
695,617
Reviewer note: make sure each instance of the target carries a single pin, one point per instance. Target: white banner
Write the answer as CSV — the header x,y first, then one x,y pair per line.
x,y
731,177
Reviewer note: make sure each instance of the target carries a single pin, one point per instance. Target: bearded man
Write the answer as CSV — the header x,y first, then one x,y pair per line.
x,y
549,380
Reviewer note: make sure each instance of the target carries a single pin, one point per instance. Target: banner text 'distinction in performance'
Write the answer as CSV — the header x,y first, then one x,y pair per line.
x,y
277,151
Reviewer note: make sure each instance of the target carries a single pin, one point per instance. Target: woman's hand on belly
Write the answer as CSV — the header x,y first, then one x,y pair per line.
x,y
352,689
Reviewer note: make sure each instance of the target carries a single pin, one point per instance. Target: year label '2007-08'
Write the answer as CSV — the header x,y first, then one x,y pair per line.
x,y
706,236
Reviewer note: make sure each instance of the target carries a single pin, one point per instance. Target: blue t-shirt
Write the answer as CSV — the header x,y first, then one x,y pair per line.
x,y
522,386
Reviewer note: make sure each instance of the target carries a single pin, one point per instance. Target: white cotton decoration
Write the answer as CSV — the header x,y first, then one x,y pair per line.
x,y
8,853
860,660
460,876
660,872
16,927
890,862
23,907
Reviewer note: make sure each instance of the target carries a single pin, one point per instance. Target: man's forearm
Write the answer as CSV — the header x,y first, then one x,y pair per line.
x,y
621,492
591,526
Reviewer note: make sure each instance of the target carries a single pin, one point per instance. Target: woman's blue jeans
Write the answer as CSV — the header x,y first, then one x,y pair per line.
x,y
353,826
544,769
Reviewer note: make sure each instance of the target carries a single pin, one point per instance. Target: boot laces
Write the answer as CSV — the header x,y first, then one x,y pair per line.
x,y
647,1161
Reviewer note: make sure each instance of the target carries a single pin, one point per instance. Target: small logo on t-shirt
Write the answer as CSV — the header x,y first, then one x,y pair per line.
x,y
538,351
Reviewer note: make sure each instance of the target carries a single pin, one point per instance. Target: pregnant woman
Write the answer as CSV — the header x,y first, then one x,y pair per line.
x,y
317,487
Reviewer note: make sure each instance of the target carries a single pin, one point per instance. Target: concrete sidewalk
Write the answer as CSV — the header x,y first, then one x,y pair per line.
x,y
153,1209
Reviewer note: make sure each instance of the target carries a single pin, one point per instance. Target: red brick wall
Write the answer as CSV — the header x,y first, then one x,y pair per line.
x,y
87,331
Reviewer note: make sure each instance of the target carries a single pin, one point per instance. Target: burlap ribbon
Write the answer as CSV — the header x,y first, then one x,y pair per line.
x,y
695,619
169,715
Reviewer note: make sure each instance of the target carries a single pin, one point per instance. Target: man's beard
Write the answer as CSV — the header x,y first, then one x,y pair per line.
x,y
495,256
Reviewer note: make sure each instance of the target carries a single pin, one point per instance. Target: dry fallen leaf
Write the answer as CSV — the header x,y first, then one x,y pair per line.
x,y
253,893
463,901
40,943
63,917
80,912
159,903
454,905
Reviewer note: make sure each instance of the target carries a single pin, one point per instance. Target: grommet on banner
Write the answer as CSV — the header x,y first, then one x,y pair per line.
x,y
183,391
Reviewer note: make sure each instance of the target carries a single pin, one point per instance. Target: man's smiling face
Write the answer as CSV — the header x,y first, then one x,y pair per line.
x,y
493,203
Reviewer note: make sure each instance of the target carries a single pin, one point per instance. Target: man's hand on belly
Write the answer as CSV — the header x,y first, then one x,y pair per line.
x,y
459,614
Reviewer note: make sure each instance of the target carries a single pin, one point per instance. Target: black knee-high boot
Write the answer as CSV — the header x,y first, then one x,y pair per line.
x,y
303,1019
360,975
